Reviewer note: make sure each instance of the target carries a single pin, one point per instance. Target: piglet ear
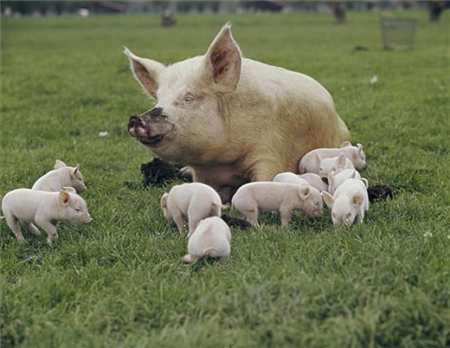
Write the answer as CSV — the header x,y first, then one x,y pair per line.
x,y
345,144
366,182
164,198
318,159
328,199
331,178
353,175
222,66
304,192
357,199
341,160
360,148
69,189
64,198
75,170
59,164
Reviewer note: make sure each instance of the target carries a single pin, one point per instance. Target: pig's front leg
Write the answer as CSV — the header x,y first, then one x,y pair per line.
x,y
286,215
50,228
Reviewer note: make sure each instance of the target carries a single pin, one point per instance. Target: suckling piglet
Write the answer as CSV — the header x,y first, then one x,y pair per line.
x,y
309,164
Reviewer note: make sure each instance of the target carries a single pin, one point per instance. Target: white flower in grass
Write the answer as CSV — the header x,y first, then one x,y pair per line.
x,y
373,80
103,134
428,234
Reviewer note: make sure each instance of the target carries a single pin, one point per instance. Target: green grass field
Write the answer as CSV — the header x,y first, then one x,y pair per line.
x,y
120,282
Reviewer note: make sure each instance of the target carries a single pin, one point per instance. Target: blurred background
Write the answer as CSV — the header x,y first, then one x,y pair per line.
x,y
168,9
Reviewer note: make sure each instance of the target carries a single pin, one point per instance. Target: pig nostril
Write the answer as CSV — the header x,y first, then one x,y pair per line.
x,y
155,112
134,121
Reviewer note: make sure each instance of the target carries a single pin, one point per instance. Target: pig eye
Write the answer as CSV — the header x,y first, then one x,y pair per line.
x,y
77,208
188,98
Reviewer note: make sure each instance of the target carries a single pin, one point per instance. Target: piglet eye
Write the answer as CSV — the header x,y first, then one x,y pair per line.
x,y
188,98
77,209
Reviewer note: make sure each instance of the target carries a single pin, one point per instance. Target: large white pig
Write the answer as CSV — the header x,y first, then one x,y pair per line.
x,y
232,119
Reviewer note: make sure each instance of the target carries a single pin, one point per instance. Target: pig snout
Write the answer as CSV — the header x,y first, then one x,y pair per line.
x,y
136,127
87,219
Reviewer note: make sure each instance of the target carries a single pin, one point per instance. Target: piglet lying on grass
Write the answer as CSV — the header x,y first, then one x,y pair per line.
x,y
61,176
275,196
44,209
195,201
310,164
211,238
349,203
336,164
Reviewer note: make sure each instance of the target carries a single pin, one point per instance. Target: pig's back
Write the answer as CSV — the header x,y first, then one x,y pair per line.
x,y
350,187
52,181
24,203
281,82
268,195
210,235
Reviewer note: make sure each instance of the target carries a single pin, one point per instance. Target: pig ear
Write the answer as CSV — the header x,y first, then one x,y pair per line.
x,y
328,199
357,199
341,160
223,62
353,175
69,189
303,192
59,164
318,159
345,144
164,200
331,178
64,198
75,170
146,71
360,148
366,182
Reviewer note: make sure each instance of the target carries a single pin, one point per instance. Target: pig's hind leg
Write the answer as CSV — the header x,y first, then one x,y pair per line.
x,y
14,225
189,258
32,229
179,221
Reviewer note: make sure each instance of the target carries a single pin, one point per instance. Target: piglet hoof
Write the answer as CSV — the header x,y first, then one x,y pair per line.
x,y
189,258
136,127
51,241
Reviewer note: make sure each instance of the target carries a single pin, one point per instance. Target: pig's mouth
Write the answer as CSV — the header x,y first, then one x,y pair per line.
x,y
152,141
149,132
